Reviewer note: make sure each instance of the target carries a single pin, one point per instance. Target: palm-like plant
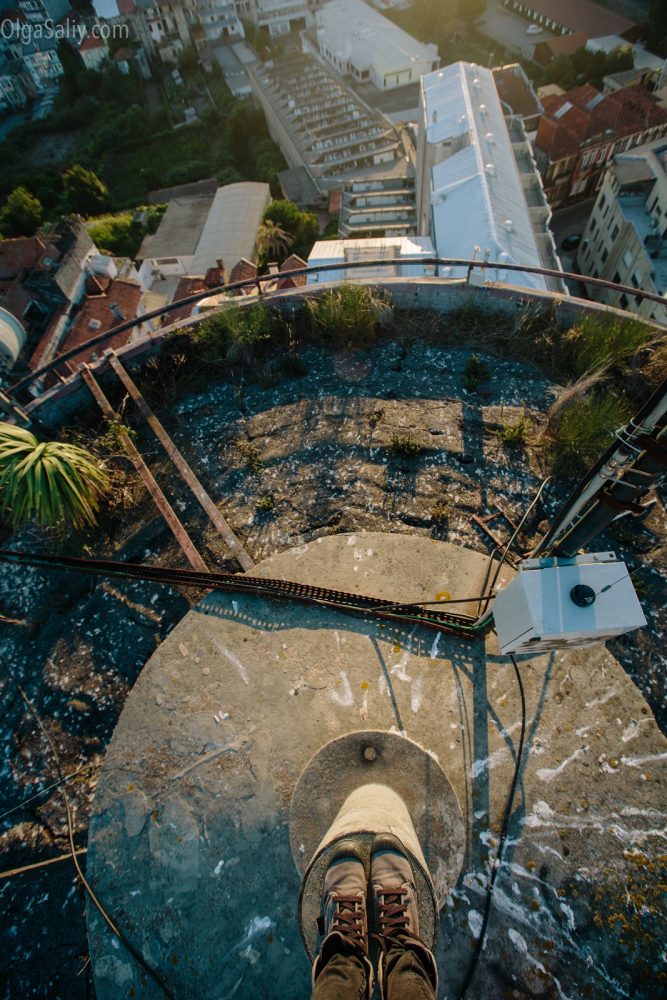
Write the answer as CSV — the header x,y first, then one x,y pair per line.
x,y
48,482
273,239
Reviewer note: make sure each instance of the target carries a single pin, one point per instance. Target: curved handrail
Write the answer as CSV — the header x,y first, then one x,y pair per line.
x,y
261,279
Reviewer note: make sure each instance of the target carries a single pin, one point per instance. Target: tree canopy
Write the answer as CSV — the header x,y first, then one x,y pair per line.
x,y
84,193
22,213
302,227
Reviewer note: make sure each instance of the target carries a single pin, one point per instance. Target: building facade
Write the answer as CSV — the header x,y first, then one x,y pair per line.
x,y
626,236
582,130
278,16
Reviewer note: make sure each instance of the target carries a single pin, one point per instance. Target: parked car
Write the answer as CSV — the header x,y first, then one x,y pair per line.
x,y
533,29
571,242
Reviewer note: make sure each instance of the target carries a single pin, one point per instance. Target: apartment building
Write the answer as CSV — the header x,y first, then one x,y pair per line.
x,y
565,16
626,236
219,19
479,193
278,16
582,130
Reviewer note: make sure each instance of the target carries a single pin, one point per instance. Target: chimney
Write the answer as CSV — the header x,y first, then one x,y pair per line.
x,y
117,311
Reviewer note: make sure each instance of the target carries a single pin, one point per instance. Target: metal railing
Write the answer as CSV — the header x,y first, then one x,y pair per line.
x,y
259,281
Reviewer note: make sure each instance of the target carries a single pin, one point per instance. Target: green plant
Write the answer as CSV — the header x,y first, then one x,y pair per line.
x,y
376,416
112,438
235,333
351,315
403,443
266,503
441,512
474,372
48,482
251,453
515,435
582,430
292,365
603,342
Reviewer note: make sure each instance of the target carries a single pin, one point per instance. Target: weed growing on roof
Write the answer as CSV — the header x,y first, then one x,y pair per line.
x,y
266,503
236,332
349,316
441,512
515,436
403,443
251,453
582,430
474,373
606,342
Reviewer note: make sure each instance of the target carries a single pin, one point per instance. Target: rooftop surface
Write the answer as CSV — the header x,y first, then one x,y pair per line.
x,y
190,838
180,228
357,33
230,230
582,15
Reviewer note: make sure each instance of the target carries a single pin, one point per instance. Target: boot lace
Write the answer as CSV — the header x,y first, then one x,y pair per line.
x,y
393,912
348,918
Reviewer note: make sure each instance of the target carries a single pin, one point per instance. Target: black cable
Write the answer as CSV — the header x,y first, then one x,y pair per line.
x,y
503,836
428,604
511,541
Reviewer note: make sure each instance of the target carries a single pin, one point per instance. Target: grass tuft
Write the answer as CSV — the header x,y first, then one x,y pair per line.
x,y
349,316
582,430
605,342
403,443
474,373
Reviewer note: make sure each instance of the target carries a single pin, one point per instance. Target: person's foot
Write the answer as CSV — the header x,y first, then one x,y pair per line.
x,y
396,913
344,921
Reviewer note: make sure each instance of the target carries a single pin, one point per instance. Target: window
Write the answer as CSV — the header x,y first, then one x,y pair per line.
x,y
624,301
605,254
615,231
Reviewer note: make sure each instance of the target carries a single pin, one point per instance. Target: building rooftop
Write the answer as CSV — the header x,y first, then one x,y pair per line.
x,y
561,45
477,193
358,34
582,15
180,228
120,300
643,59
585,115
230,229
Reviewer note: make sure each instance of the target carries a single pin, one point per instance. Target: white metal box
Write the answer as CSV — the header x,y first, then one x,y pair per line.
x,y
536,611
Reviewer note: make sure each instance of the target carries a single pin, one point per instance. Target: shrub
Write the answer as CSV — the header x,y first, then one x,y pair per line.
x,y
602,342
403,443
235,333
582,430
441,512
515,435
251,453
474,373
266,503
48,482
351,315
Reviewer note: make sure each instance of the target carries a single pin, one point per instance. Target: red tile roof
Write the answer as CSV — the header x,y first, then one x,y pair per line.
x,y
582,15
20,253
91,42
123,55
241,271
561,45
293,263
584,115
185,287
214,277
96,310
127,6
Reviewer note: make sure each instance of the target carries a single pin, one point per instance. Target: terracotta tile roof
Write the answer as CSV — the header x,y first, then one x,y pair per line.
x,y
293,263
36,359
97,284
127,6
91,42
123,55
16,300
582,15
241,271
584,115
18,254
214,276
185,287
95,316
561,45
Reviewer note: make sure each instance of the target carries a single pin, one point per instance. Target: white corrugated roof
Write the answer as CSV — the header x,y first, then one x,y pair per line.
x,y
358,34
231,227
329,251
476,193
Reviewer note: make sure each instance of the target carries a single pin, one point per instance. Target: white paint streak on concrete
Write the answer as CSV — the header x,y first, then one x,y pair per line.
x,y
518,941
344,697
475,923
548,774
234,660
631,732
602,699
434,647
399,669
417,694
638,761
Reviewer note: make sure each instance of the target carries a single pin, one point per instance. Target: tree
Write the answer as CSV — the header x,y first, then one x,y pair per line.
x,y
21,214
273,240
470,10
302,226
85,193
657,28
50,482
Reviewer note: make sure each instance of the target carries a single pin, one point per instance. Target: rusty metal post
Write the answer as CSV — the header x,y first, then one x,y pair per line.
x,y
161,502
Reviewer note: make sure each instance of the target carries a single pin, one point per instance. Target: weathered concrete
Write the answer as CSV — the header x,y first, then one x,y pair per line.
x,y
189,845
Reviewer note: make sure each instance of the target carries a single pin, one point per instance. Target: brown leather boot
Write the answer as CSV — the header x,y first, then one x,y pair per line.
x,y
395,908
344,922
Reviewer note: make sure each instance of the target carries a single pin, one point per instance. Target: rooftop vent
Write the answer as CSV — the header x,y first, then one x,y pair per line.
x,y
94,324
491,169
509,225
